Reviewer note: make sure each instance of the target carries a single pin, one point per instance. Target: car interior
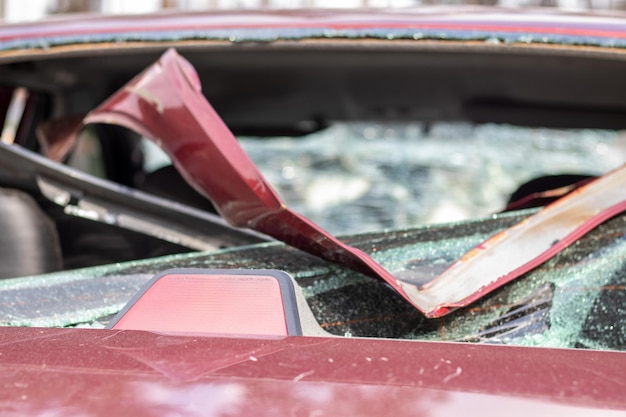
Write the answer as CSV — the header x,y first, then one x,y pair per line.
x,y
286,90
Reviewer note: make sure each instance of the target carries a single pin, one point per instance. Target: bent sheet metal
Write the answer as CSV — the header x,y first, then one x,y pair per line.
x,y
165,104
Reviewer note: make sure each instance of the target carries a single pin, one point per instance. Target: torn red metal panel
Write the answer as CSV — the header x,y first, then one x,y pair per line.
x,y
526,245
165,104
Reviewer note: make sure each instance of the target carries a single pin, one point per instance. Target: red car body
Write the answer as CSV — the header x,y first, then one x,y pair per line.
x,y
96,372
135,373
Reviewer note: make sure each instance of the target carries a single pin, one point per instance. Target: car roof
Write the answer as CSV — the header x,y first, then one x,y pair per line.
x,y
444,23
103,372
405,60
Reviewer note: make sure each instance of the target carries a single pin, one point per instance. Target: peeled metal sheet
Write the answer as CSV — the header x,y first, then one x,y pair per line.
x,y
526,245
165,104
576,299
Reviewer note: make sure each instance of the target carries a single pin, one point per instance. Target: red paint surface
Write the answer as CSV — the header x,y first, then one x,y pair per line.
x,y
131,373
480,20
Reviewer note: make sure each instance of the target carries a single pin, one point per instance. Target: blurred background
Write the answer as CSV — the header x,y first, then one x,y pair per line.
x,y
28,10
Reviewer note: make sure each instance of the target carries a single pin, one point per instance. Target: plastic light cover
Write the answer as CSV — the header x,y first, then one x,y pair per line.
x,y
225,302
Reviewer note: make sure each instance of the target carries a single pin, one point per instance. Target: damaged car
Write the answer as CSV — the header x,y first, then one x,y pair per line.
x,y
314,212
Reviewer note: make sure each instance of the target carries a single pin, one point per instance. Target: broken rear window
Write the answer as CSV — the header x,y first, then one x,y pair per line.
x,y
355,177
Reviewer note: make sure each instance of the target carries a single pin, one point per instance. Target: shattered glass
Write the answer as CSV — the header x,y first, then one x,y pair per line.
x,y
577,299
355,177
170,118
271,34
363,177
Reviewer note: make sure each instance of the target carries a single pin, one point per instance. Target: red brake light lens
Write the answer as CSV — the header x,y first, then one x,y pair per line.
x,y
227,302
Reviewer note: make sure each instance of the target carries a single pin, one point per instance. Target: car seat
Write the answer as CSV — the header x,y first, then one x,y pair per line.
x,y
29,242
